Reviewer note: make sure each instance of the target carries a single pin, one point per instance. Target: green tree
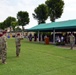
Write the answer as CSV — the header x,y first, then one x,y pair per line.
x,y
23,18
55,8
18,29
14,24
2,26
41,13
8,21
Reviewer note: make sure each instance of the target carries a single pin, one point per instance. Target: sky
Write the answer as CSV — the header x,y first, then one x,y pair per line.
x,y
12,7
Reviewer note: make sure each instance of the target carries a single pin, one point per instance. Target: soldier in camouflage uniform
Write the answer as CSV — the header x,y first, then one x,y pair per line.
x,y
0,45
18,44
4,47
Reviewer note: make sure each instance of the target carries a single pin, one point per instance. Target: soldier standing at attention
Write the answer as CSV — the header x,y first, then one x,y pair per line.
x,y
0,45
4,48
18,44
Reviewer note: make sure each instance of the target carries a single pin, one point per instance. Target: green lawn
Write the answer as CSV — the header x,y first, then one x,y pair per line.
x,y
38,59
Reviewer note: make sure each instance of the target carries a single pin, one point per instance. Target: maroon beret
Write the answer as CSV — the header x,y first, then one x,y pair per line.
x,y
1,34
18,34
4,32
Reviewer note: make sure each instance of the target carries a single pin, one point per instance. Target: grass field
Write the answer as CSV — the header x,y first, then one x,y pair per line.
x,y
38,59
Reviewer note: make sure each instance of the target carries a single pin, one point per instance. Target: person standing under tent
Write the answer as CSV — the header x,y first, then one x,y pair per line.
x,y
72,40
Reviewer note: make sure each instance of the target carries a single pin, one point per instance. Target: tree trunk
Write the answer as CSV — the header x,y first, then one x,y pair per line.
x,y
22,31
10,33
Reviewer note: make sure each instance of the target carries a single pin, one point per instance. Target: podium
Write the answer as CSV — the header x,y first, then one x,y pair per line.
x,y
47,40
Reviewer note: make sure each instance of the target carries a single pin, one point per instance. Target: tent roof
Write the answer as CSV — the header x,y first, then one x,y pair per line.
x,y
69,24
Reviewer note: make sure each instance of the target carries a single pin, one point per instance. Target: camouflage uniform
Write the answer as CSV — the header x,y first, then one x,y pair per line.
x,y
18,44
0,45
4,48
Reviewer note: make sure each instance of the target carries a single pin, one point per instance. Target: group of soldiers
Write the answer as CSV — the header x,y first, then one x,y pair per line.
x,y
3,45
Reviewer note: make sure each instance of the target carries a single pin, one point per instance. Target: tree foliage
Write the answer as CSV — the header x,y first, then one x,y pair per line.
x,y
55,8
14,24
18,29
8,21
23,18
1,25
41,13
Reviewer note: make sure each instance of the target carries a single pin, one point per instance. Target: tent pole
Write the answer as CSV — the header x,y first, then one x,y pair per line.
x,y
53,36
38,36
41,36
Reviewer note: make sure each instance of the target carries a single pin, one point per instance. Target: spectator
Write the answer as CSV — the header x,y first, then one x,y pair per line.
x,y
30,37
62,38
72,40
58,39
